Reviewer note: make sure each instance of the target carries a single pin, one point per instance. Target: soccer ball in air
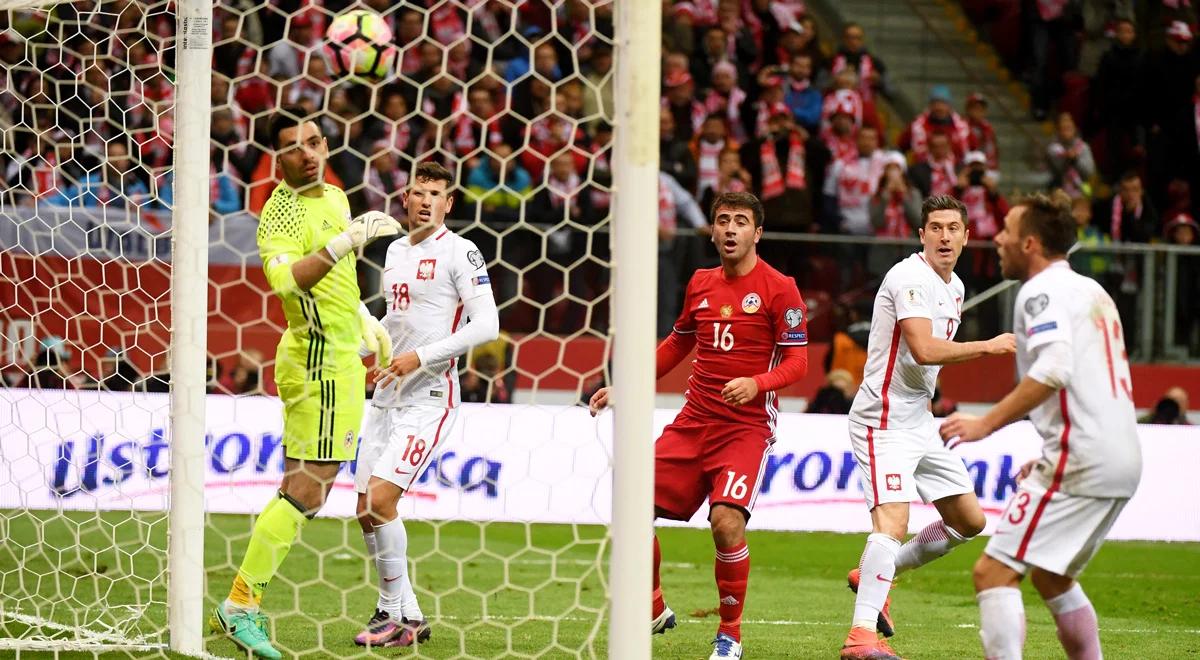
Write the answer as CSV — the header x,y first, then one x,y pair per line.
x,y
358,44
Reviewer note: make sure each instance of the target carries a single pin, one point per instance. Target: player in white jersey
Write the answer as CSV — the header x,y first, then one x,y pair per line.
x,y
439,305
892,432
1075,388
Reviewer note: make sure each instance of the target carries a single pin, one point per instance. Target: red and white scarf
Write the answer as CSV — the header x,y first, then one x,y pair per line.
x,y
773,182
856,183
731,107
1196,115
1072,181
943,179
895,221
980,218
866,67
707,161
445,24
842,147
668,223
960,135
561,191
1117,210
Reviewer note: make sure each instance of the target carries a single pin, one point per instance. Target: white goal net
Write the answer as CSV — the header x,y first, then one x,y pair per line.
x,y
507,536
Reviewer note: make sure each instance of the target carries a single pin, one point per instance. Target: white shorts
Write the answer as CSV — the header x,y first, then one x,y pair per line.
x,y
1060,533
903,465
399,443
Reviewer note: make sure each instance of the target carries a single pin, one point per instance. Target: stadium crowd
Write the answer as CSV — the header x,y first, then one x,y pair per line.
x,y
753,98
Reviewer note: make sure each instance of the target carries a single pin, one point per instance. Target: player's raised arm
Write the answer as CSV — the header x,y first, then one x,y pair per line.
x,y
927,349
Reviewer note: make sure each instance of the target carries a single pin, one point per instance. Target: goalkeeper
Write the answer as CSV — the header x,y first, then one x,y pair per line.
x,y
308,245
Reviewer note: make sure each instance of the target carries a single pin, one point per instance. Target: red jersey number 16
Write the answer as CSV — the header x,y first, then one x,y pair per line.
x,y
723,336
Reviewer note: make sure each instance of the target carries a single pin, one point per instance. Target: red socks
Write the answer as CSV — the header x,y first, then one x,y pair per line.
x,y
732,569
657,605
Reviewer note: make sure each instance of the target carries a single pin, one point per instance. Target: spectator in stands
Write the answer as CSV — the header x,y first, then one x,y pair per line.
x,y
1094,265
499,184
706,148
1182,229
1069,158
936,174
854,55
1173,74
598,93
483,384
727,100
896,204
850,187
977,189
1128,216
385,180
1049,23
713,50
778,165
680,100
800,95
835,395
982,136
674,157
848,348
743,47
731,177
49,369
117,374
938,118
676,209
246,375
840,133
1119,100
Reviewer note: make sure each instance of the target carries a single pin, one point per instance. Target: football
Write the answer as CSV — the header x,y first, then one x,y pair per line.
x,y
358,44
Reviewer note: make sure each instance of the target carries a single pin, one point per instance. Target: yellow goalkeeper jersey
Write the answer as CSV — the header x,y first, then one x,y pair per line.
x,y
323,335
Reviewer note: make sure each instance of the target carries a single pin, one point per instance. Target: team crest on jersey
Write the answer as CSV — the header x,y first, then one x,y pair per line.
x,y
793,317
426,268
893,481
751,303
1037,304
726,311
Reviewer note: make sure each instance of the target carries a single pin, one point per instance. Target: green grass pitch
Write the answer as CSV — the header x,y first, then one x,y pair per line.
x,y
510,590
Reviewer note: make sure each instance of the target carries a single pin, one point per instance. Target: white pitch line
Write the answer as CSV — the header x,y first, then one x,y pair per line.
x,y
780,622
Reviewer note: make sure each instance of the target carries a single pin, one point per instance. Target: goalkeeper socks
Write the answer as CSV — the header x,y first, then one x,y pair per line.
x,y
373,555
273,536
732,569
876,570
392,562
930,543
1001,623
1078,629
657,604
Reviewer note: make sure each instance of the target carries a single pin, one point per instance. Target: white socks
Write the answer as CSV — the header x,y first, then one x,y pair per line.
x,y
1001,623
1078,629
876,570
396,595
373,555
930,543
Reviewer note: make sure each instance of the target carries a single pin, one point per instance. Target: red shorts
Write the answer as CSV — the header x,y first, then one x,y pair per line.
x,y
722,461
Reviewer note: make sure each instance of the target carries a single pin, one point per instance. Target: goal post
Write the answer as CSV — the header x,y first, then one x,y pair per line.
x,y
189,326
635,262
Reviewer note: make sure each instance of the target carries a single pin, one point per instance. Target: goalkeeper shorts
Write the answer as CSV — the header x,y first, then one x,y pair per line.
x,y
321,418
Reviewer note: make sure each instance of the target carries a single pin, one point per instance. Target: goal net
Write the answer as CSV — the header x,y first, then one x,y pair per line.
x,y
507,537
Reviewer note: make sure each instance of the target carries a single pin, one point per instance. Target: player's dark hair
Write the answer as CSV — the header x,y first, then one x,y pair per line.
x,y
433,171
739,200
942,203
1129,175
289,116
1048,217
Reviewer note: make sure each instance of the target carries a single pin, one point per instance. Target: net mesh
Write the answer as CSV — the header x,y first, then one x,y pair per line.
x,y
506,536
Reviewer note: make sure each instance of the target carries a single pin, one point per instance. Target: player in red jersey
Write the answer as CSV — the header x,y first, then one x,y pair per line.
x,y
747,323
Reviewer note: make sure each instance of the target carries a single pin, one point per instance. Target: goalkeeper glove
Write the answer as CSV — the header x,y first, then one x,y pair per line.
x,y
362,230
375,338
